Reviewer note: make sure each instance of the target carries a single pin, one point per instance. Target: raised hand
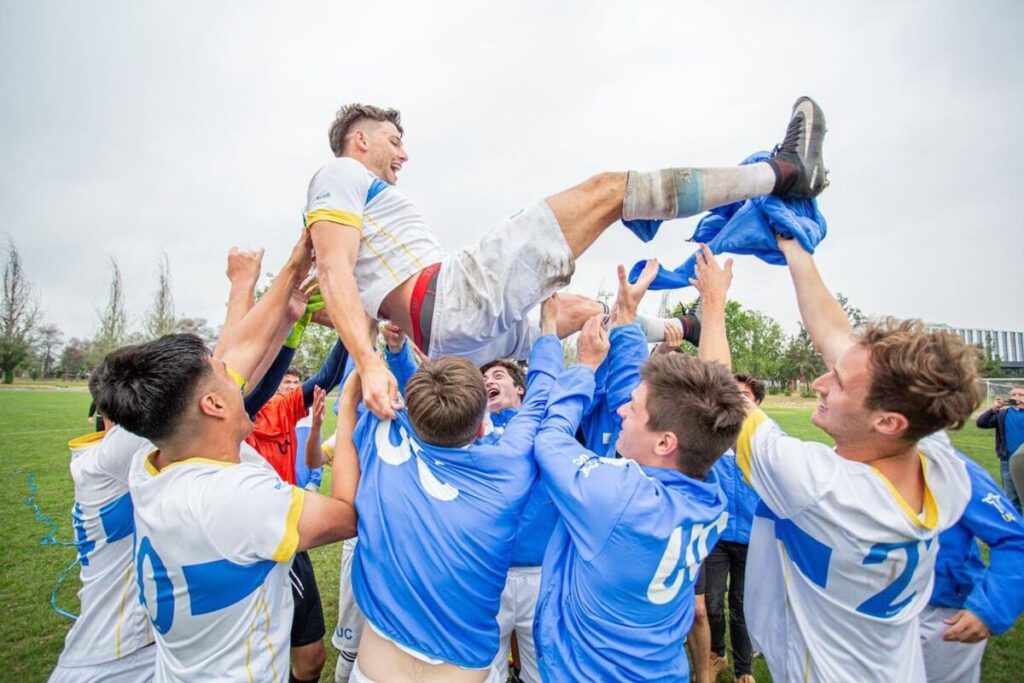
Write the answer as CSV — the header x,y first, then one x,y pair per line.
x,y
592,347
244,266
712,281
317,409
673,339
549,315
380,389
629,295
394,338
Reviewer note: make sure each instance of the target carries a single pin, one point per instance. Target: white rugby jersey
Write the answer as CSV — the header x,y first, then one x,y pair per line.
x,y
395,241
214,542
839,566
113,623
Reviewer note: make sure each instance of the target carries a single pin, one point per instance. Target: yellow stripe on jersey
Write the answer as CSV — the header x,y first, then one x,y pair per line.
x,y
400,245
382,260
239,380
346,218
931,508
86,439
266,633
290,542
124,598
744,450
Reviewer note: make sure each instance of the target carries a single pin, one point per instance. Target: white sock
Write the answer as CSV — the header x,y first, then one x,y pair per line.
x,y
680,192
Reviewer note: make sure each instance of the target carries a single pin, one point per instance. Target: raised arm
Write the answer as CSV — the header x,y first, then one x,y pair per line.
x,y
398,354
712,281
544,366
824,318
345,478
244,345
243,272
329,374
314,451
337,247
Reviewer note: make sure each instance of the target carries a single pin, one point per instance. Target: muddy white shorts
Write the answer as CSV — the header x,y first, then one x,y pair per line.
x,y
350,618
518,604
137,667
485,293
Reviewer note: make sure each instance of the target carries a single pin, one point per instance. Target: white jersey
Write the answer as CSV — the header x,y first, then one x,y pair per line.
x,y
113,623
214,544
395,241
854,562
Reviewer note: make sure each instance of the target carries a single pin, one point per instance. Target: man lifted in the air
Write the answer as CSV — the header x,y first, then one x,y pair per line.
x,y
373,245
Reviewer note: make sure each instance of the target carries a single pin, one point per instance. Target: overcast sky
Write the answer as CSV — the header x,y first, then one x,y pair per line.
x,y
129,129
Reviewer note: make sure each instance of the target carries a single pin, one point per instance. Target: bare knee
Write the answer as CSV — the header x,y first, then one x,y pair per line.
x,y
700,609
308,660
573,311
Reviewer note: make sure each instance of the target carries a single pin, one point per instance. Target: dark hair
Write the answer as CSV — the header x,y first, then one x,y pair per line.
x,y
930,378
446,401
294,372
756,385
350,114
699,402
514,370
147,388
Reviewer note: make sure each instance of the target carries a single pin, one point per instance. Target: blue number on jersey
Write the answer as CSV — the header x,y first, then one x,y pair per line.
x,y
881,604
164,612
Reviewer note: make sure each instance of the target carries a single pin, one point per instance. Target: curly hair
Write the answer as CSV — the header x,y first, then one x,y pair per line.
x,y
928,377
351,114
514,370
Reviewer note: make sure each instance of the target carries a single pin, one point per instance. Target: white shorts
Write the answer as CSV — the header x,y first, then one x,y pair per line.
x,y
137,667
349,630
945,661
485,293
518,604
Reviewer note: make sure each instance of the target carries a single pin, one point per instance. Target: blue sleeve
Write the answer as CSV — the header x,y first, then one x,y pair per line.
x,y
627,354
545,364
998,598
329,375
267,386
590,492
402,364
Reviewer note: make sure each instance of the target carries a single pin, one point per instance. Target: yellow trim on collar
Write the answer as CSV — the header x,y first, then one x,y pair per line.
x,y
346,218
931,508
286,549
151,468
86,439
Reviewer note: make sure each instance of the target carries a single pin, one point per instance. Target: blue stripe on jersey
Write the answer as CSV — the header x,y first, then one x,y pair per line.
x,y
82,542
810,555
218,584
376,187
118,518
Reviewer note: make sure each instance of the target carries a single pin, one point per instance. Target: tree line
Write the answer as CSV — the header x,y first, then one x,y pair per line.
x,y
31,347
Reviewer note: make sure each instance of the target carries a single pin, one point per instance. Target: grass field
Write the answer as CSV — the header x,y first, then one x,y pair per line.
x,y
34,429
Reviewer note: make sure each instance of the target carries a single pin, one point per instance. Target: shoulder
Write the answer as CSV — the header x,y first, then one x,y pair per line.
x,y
343,169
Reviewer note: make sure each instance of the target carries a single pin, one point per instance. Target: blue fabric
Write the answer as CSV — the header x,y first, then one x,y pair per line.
x,y
267,386
304,475
616,597
1014,424
615,379
436,527
747,227
402,365
740,499
962,581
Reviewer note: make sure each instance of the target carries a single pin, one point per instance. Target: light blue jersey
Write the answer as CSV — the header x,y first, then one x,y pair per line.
x,y
436,527
616,598
995,594
615,380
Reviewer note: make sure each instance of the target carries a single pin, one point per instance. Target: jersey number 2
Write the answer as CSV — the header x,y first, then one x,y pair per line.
x,y
882,604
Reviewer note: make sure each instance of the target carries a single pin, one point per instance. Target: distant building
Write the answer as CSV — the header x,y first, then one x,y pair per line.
x,y
1007,347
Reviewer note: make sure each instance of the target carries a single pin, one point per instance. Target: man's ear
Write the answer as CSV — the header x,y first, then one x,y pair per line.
x,y
891,424
667,444
212,404
521,391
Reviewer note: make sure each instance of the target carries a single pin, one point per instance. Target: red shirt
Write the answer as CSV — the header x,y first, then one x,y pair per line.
x,y
273,435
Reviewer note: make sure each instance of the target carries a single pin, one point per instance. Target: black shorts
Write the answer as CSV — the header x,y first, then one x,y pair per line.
x,y
308,618
698,587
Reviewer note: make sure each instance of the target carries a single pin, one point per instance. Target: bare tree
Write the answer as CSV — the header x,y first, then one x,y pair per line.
x,y
160,320
19,311
48,340
113,320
